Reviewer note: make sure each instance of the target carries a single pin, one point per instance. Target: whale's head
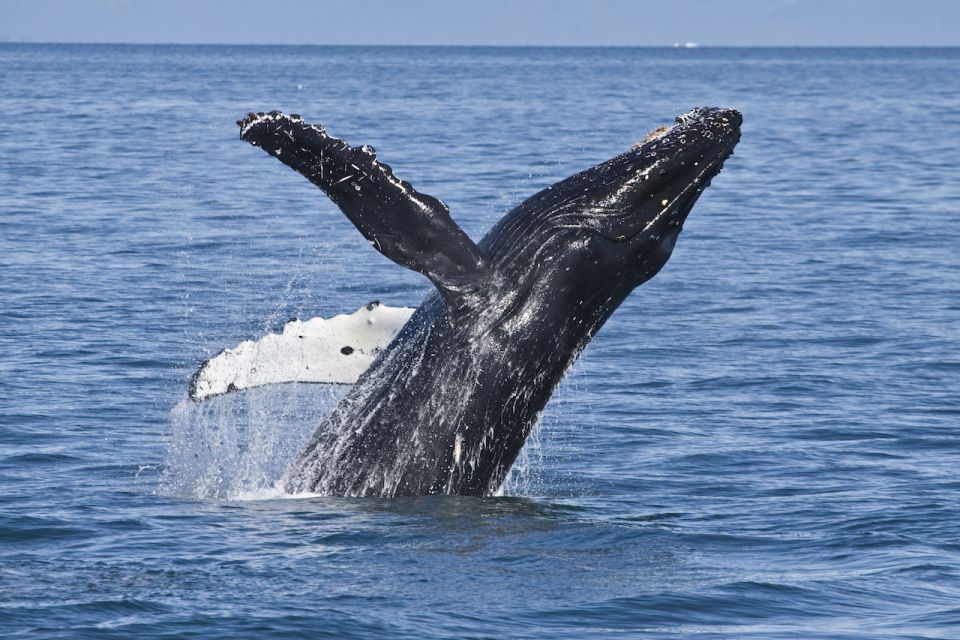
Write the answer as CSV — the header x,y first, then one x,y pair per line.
x,y
619,221
637,203
653,187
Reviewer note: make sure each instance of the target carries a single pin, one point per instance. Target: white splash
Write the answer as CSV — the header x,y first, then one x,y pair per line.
x,y
238,447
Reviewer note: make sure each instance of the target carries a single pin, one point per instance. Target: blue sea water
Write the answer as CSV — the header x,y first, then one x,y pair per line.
x,y
763,442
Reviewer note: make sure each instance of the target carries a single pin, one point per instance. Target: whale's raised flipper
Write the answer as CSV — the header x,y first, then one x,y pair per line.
x,y
411,228
333,350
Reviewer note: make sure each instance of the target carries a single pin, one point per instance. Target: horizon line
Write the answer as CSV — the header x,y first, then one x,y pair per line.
x,y
678,45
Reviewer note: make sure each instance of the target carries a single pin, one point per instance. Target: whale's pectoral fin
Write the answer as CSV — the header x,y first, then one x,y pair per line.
x,y
333,350
411,228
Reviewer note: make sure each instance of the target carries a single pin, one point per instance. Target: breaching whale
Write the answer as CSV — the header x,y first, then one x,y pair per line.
x,y
447,405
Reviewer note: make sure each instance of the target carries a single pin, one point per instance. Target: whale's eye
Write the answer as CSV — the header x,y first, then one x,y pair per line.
x,y
346,350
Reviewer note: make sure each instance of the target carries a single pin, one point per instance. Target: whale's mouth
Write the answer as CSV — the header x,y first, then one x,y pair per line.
x,y
659,180
675,209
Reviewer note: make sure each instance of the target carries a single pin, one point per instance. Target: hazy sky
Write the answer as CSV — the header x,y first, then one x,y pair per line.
x,y
495,22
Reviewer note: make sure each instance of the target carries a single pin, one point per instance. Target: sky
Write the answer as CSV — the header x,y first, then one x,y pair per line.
x,y
487,22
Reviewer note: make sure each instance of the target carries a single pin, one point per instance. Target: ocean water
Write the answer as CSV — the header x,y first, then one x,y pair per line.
x,y
763,442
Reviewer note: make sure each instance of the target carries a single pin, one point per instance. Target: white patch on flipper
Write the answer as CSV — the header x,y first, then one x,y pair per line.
x,y
335,350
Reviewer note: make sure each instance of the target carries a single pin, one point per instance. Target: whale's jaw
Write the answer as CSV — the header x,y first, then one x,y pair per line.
x,y
651,189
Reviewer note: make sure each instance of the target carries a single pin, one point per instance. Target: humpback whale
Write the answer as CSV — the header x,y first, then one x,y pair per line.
x,y
446,406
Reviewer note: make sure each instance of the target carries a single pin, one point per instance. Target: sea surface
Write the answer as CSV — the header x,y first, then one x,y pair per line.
x,y
763,441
